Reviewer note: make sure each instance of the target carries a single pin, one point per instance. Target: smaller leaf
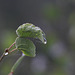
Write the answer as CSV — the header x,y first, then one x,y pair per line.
x,y
26,46
30,30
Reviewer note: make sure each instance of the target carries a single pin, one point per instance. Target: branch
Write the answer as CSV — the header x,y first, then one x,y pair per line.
x,y
12,50
11,46
6,52
2,57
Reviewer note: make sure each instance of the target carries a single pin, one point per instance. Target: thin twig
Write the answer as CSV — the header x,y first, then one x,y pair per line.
x,y
2,57
12,50
10,73
11,46
7,51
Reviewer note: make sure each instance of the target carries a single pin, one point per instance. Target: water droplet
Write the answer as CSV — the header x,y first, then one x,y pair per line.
x,y
6,53
45,41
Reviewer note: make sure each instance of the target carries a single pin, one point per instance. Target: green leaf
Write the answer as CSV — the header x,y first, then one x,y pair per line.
x,y
30,30
26,46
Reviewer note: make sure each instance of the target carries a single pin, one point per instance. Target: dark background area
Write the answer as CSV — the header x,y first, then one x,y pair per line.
x,y
57,19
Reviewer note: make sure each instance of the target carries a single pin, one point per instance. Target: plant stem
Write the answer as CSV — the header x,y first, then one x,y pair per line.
x,y
11,46
13,50
16,64
2,57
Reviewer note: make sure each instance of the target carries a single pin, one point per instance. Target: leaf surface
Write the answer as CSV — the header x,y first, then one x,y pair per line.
x,y
30,30
26,46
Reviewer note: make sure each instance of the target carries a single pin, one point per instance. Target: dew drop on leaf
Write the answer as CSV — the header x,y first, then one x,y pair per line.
x,y
45,41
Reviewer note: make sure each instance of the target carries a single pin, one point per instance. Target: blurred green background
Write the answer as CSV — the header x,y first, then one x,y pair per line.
x,y
57,19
